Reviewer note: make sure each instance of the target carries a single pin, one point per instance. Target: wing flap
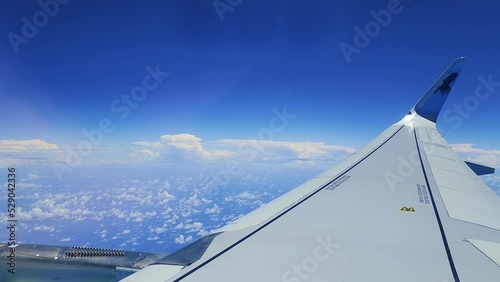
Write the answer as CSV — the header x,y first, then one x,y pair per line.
x,y
157,272
464,195
489,249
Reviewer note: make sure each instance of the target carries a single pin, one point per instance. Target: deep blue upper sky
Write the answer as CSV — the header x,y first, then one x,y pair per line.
x,y
227,76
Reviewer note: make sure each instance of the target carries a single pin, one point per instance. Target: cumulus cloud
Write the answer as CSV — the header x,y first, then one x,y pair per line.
x,y
144,155
160,230
213,210
118,213
164,197
203,233
192,201
28,185
191,147
32,176
181,240
49,208
193,227
246,195
44,228
159,207
26,145
181,145
24,152
486,157
493,181
302,151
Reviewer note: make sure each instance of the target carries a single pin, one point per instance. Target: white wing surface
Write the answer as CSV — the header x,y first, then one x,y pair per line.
x,y
405,207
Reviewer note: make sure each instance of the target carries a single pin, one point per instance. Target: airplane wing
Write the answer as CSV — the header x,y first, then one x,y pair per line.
x,y
405,207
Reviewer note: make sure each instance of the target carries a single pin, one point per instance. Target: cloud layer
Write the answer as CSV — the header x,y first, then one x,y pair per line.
x,y
485,157
190,147
32,145
185,147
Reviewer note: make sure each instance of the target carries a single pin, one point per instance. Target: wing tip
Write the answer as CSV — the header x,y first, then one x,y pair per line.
x,y
431,103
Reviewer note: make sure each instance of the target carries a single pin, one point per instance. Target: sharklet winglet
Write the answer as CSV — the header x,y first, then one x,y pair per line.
x,y
433,100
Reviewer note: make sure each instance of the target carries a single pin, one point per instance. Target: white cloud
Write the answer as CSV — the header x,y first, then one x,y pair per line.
x,y
48,208
26,145
21,214
32,176
164,197
26,152
190,147
28,185
183,145
181,240
135,213
160,230
144,155
493,181
44,228
193,227
213,210
66,239
80,212
485,157
118,213
267,150
179,147
192,201
246,195
202,233
103,233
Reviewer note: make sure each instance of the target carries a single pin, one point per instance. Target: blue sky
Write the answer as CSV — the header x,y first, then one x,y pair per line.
x,y
271,71
230,71
227,76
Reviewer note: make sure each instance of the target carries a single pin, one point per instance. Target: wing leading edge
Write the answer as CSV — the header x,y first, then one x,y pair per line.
x,y
404,207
